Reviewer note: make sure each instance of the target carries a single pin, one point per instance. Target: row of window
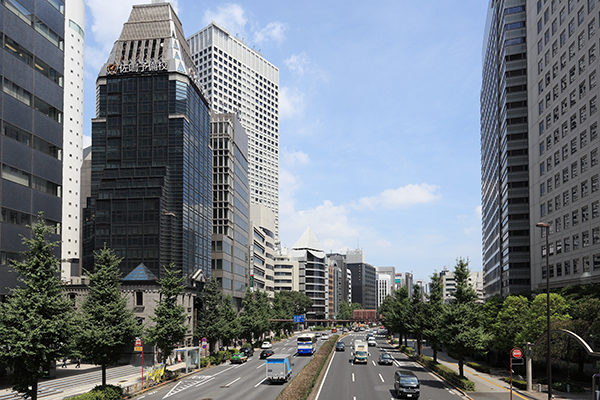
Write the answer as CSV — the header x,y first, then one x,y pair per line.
x,y
27,16
31,140
574,266
23,178
16,91
574,190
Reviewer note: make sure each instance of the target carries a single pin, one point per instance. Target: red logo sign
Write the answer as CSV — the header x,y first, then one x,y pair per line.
x,y
516,352
138,342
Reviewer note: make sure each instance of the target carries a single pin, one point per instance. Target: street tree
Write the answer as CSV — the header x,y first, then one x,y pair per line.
x,y
395,311
416,317
169,316
107,326
255,315
210,324
36,320
462,330
346,310
432,314
231,325
507,324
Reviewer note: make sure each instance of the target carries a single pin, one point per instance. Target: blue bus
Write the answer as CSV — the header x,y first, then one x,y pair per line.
x,y
307,344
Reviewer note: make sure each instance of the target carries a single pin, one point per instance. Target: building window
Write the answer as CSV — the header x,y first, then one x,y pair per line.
x,y
139,298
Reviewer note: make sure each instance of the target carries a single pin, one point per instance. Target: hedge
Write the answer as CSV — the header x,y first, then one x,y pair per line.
x,y
478,367
517,383
108,392
448,374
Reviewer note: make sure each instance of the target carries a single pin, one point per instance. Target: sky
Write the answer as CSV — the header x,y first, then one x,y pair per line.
x,y
379,118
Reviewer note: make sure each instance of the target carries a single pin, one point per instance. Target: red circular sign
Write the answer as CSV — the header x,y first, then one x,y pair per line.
x,y
516,352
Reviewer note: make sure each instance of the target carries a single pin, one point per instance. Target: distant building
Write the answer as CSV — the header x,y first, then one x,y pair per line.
x,y
263,250
384,287
364,315
449,284
287,273
364,285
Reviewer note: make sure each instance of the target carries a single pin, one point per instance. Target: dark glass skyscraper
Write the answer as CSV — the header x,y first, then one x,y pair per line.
x,y
31,122
151,189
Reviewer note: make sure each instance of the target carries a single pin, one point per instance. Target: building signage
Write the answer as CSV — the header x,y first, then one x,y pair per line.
x,y
137,67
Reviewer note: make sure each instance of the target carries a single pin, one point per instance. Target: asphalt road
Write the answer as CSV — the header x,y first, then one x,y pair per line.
x,y
347,381
232,381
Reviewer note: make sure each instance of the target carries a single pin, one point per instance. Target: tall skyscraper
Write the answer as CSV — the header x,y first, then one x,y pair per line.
x,y
239,79
32,124
364,279
152,172
565,184
73,138
504,150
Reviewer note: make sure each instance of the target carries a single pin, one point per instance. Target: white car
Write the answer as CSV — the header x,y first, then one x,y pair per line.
x,y
266,345
324,336
371,341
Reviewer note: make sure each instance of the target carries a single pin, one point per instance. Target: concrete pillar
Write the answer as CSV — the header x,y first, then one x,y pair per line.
x,y
528,366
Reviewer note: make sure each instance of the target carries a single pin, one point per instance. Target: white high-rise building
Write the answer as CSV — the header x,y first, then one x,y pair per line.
x,y
384,287
72,138
237,78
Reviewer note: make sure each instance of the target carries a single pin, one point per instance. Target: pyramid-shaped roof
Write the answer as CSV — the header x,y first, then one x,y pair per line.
x,y
140,273
308,241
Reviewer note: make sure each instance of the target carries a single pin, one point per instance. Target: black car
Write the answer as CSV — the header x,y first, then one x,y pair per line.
x,y
406,384
248,351
386,358
266,353
340,346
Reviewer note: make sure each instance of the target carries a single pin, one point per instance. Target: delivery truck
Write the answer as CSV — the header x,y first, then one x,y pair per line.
x,y
360,352
279,368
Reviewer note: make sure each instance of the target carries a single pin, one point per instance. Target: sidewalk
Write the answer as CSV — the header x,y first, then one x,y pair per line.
x,y
73,381
494,381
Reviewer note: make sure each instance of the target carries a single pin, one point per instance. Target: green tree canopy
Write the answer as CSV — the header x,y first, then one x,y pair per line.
x,y
536,319
346,311
107,327
432,313
36,321
255,315
508,323
169,316
210,324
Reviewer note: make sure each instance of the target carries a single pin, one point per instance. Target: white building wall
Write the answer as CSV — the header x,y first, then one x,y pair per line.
x,y
72,137
384,287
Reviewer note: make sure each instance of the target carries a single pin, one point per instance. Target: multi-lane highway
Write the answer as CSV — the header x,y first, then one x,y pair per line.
x,y
232,381
347,381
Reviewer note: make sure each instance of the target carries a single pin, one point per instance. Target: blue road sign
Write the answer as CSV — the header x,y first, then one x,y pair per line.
x,y
298,318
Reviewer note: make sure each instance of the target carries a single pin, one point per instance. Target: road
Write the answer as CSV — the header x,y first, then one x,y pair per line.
x,y
347,381
232,381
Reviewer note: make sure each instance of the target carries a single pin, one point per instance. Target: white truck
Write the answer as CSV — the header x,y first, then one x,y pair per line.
x,y
360,352
279,368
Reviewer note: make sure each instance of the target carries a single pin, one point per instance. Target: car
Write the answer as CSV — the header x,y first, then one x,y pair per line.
x,y
239,358
318,334
406,384
266,354
345,330
362,328
266,345
324,336
369,335
248,351
371,341
356,329
340,346
334,330
386,358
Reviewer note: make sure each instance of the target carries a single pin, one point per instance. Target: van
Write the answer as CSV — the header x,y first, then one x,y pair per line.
x,y
406,384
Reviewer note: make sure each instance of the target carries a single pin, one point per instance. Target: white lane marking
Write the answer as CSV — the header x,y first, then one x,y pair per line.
x,y
373,362
261,365
260,382
225,370
234,381
381,377
176,389
241,365
325,377
353,378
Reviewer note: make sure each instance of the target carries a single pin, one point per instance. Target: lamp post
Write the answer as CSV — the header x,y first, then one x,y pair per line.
x,y
548,359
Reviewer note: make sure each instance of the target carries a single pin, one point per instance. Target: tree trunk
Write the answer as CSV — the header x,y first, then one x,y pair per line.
x,y
104,375
461,369
34,390
435,350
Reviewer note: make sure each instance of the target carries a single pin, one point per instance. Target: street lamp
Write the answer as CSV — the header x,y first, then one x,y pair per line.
x,y
548,359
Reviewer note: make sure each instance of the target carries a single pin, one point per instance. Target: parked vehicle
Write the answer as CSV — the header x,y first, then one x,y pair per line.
x,y
360,352
340,346
406,384
307,344
239,358
266,345
248,351
279,368
266,354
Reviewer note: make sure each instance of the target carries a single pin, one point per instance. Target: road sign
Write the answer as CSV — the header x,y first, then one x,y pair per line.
x,y
298,318
138,348
203,345
138,342
204,340
516,353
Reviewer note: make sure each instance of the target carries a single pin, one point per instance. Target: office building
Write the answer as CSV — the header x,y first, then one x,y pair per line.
x,y
287,272
73,139
338,260
262,273
32,124
384,287
504,149
231,211
364,283
152,164
448,281
564,173
239,79
314,273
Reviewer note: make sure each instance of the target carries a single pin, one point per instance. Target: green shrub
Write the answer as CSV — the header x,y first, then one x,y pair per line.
x,y
222,355
573,387
246,345
213,360
479,367
203,362
108,392
277,339
448,374
517,383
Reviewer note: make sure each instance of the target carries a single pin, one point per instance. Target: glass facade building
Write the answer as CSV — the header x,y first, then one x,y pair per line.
x,y
31,124
151,191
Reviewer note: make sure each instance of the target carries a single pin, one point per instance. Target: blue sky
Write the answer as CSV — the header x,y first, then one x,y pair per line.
x,y
379,118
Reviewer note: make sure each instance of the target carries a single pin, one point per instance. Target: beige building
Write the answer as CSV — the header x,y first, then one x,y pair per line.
x,y
262,250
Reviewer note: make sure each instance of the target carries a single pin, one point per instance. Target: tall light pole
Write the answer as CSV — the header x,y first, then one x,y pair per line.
x,y
545,226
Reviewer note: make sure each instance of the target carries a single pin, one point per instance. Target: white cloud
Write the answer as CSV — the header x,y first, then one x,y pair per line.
x,y
291,103
478,212
405,196
294,157
231,16
273,31
297,63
